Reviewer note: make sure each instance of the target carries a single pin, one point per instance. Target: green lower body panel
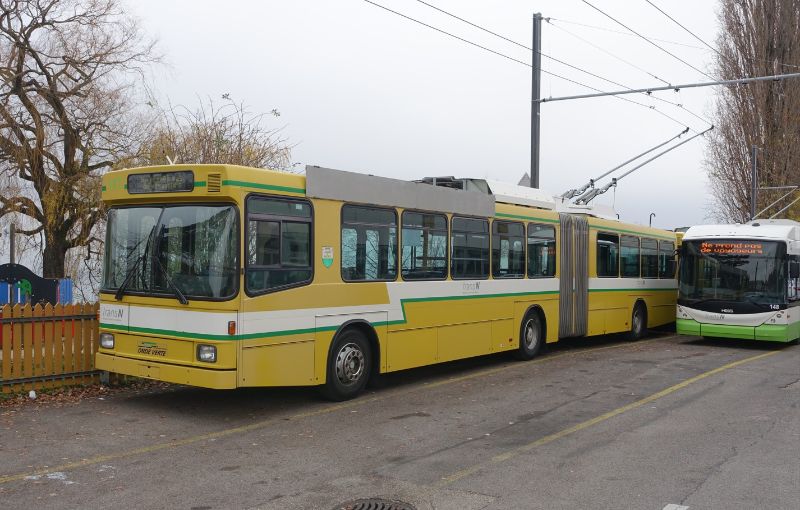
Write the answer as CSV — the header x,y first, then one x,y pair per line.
x,y
778,333
687,327
766,332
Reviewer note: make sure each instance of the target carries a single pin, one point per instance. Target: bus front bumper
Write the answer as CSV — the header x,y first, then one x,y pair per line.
x,y
193,376
765,332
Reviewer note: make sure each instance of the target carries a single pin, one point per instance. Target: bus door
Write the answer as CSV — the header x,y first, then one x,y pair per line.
x,y
574,279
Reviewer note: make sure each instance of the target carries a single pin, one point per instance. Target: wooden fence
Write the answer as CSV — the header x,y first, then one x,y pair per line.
x,y
47,346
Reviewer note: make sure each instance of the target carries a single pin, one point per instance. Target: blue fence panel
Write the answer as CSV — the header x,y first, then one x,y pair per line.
x,y
11,294
65,291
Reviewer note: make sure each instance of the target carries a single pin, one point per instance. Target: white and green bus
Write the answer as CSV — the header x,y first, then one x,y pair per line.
x,y
741,281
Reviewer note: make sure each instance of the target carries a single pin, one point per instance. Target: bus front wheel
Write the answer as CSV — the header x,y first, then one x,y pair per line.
x,y
349,364
530,337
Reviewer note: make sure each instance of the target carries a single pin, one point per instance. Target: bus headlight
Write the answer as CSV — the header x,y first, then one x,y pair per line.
x,y
207,353
106,340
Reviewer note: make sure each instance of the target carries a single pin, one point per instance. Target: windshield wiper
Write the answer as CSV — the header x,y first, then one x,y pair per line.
x,y
129,277
181,297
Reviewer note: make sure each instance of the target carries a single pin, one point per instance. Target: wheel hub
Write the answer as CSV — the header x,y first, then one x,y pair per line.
x,y
349,364
531,336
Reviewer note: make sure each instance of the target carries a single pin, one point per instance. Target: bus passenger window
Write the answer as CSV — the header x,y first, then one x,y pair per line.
x,y
265,242
469,256
508,249
666,259
369,244
607,255
629,257
424,255
278,244
649,258
541,250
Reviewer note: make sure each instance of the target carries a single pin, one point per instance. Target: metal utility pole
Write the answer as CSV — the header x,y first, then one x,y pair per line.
x,y
12,231
536,81
753,183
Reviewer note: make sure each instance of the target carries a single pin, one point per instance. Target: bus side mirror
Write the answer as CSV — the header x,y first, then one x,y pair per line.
x,y
794,270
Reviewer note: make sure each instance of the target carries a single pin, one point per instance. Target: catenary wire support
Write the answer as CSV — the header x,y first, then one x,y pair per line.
x,y
591,194
579,191
676,88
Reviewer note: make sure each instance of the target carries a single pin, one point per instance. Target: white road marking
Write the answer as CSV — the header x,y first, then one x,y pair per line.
x,y
673,506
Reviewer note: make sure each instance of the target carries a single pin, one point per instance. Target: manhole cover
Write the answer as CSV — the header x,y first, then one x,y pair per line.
x,y
374,504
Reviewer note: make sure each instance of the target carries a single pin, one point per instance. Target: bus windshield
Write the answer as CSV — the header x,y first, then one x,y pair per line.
x,y
733,270
189,250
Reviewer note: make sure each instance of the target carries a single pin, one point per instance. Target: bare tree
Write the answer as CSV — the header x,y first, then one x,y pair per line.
x,y
758,38
215,133
68,70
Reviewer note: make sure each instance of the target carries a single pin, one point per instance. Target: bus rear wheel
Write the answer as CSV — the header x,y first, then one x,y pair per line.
x,y
349,366
638,322
530,337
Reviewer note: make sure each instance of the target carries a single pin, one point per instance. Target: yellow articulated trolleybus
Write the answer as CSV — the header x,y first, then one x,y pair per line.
x,y
223,276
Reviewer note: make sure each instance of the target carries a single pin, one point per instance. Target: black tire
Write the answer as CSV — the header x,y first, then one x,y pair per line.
x,y
638,323
531,337
349,366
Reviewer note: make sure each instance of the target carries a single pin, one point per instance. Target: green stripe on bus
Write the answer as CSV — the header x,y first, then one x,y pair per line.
x,y
638,233
270,334
199,184
520,217
258,185
630,290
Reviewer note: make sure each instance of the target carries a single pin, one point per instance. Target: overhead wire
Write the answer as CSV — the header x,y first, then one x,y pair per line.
x,y
701,40
521,45
649,107
606,29
631,64
516,43
646,39
677,105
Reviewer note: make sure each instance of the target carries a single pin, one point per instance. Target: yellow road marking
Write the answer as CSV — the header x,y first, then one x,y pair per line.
x,y
497,459
325,410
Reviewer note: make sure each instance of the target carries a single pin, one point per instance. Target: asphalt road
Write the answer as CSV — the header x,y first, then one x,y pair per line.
x,y
668,422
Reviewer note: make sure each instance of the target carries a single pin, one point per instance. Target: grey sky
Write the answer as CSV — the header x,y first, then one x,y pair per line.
x,y
362,89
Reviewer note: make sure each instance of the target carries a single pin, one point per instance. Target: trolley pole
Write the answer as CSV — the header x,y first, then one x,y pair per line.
x,y
753,183
536,79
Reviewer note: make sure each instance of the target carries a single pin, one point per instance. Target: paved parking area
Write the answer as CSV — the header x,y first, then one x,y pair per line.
x,y
597,423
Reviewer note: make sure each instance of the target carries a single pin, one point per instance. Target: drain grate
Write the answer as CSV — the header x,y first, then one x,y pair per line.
x,y
374,504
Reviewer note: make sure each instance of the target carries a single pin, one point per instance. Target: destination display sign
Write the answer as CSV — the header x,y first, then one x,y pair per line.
x,y
732,248
161,182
